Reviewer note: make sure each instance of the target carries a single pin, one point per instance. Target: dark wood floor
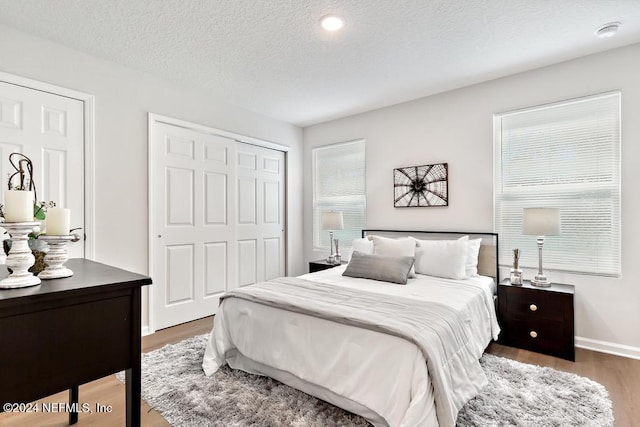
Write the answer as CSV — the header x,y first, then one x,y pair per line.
x,y
621,377
110,391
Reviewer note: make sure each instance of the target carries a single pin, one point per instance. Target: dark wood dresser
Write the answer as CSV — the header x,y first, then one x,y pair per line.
x,y
67,332
537,319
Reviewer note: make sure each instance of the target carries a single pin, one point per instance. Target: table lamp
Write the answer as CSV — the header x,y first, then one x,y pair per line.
x,y
332,221
541,222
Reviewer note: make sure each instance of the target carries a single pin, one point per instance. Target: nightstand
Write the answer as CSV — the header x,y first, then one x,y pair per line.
x,y
537,319
321,265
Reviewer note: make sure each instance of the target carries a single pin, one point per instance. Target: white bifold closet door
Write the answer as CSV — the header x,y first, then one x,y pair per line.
x,y
49,129
218,216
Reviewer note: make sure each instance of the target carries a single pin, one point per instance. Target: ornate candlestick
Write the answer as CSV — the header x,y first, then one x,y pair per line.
x,y
20,258
56,257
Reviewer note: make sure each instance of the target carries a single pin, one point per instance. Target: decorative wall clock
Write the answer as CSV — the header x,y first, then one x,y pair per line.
x,y
425,185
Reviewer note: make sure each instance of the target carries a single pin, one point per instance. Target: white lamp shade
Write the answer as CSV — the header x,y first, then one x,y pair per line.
x,y
541,221
332,220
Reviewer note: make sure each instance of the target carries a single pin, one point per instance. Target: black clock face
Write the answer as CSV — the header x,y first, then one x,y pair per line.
x,y
418,186
425,185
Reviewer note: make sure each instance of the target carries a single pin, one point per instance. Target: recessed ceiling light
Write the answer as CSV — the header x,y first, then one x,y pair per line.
x,y
608,30
331,22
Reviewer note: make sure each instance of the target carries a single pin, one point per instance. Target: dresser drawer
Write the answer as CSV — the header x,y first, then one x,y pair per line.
x,y
65,330
533,304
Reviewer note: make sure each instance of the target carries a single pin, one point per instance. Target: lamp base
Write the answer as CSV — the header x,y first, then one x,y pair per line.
x,y
540,281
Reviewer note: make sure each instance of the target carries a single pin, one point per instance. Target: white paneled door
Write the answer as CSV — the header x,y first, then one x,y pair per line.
x,y
260,214
49,129
217,218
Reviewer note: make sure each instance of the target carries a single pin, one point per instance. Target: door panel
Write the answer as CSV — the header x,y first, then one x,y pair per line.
x,y
215,153
246,159
272,258
191,207
272,201
54,168
218,218
261,208
49,129
179,262
272,164
216,268
180,196
179,147
215,198
246,201
10,113
247,262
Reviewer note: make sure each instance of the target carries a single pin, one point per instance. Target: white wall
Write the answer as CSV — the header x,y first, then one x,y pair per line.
x,y
123,97
456,127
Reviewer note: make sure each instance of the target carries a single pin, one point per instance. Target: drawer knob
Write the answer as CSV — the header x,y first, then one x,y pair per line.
x,y
533,307
533,334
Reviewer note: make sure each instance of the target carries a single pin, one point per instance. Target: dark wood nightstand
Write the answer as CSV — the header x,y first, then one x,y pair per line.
x,y
537,319
322,265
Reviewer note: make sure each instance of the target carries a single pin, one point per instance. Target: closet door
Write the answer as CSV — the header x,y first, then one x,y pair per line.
x,y
260,220
217,216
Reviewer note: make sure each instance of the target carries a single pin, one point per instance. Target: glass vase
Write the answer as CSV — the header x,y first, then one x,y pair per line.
x,y
515,276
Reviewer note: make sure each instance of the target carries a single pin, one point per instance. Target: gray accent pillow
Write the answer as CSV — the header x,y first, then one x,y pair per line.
x,y
379,267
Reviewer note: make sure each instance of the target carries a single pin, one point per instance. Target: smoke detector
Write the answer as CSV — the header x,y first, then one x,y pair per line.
x,y
608,30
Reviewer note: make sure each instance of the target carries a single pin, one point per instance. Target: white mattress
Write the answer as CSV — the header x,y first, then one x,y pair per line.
x,y
379,376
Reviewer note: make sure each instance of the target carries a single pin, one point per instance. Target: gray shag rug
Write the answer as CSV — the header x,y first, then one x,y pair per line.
x,y
518,394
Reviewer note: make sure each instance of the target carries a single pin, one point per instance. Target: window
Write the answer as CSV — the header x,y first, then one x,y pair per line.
x,y
564,155
339,185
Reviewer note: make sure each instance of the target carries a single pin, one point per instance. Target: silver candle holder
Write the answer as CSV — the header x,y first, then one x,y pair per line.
x,y
337,258
57,256
20,258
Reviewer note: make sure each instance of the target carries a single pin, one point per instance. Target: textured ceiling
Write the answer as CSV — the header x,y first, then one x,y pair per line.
x,y
272,57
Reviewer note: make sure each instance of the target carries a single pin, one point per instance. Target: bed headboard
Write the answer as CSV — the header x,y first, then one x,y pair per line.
x,y
487,259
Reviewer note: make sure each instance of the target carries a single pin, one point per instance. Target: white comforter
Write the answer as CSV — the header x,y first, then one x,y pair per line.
x,y
382,377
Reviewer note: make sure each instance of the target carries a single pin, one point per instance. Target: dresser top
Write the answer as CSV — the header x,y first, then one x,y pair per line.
x,y
87,276
555,287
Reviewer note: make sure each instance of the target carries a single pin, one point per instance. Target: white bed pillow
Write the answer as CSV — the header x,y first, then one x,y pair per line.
x,y
473,250
404,246
363,245
442,258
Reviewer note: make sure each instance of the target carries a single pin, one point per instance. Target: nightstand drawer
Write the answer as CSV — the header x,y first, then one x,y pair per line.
x,y
541,336
536,305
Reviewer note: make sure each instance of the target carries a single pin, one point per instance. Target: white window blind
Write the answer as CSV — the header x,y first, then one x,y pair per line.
x,y
339,185
567,156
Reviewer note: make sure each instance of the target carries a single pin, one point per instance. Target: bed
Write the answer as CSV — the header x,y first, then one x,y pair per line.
x,y
398,355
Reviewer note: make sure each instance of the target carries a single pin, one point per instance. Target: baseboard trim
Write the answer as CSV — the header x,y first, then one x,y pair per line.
x,y
145,330
608,347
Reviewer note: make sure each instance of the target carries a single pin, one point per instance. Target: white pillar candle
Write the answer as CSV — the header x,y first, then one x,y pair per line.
x,y
18,206
58,220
